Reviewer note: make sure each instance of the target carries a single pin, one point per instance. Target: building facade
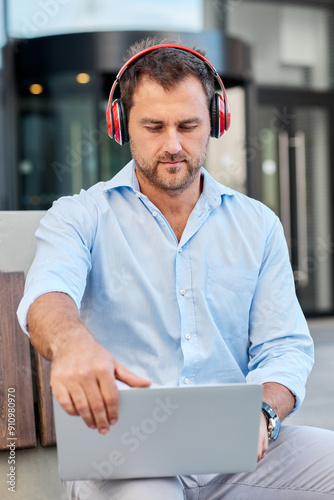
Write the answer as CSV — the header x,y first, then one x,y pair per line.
x,y
276,61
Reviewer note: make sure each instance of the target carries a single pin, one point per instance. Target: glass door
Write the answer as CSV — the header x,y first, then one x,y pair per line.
x,y
296,183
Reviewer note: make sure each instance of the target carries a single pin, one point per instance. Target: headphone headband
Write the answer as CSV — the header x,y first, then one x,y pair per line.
x,y
164,46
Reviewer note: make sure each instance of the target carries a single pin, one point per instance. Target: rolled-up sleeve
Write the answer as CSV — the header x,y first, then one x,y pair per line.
x,y
280,345
63,258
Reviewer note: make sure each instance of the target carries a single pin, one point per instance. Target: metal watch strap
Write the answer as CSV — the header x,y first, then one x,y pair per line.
x,y
273,421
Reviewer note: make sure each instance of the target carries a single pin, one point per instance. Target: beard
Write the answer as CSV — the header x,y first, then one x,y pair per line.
x,y
172,179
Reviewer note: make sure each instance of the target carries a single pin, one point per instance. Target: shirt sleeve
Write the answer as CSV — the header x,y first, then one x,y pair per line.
x,y
63,258
280,345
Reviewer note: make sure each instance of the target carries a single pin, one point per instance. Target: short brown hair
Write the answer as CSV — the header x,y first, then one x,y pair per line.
x,y
167,66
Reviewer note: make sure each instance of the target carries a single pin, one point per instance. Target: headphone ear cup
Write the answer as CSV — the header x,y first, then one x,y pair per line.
x,y
217,112
214,116
119,124
220,116
123,121
227,113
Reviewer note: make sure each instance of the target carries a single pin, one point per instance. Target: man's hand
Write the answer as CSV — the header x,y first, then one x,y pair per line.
x,y
83,373
263,439
83,377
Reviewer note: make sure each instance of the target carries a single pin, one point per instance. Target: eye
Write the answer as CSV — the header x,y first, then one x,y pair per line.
x,y
154,128
187,127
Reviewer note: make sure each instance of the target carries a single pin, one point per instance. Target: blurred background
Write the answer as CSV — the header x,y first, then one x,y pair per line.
x,y
59,59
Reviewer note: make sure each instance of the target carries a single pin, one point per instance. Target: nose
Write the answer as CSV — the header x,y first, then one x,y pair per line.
x,y
172,141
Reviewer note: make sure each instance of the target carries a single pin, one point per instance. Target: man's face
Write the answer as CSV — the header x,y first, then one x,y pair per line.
x,y
169,133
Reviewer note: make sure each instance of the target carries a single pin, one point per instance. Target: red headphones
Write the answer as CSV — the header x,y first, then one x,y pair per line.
x,y
220,112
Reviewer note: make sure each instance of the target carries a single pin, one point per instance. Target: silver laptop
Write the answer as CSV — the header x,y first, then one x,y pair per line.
x,y
165,432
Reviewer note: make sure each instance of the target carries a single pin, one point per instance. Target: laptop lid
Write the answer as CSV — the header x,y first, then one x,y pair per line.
x,y
165,432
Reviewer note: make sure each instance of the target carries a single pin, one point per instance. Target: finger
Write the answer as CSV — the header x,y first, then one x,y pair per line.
x,y
262,450
61,392
96,408
263,439
261,454
64,399
109,391
265,446
74,401
124,375
82,406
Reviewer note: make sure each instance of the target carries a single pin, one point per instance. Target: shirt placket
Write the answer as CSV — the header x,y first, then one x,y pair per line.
x,y
185,299
183,284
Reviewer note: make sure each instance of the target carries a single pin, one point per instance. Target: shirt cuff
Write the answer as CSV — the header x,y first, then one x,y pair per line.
x,y
296,387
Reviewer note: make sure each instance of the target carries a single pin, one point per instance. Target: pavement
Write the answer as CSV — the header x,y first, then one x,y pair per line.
x,y
36,469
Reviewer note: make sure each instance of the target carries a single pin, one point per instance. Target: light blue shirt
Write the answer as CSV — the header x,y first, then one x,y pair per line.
x,y
217,307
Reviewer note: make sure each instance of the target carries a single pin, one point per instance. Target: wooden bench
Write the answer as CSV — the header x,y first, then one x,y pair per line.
x,y
23,372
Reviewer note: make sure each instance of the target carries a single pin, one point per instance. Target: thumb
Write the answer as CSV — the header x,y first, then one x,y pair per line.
x,y
126,376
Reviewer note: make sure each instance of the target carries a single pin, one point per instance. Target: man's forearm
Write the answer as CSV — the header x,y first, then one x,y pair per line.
x,y
279,398
53,320
83,373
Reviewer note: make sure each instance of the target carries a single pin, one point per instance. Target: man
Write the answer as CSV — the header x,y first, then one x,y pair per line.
x,y
163,275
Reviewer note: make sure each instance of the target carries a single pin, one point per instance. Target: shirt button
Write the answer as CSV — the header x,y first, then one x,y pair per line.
x,y
187,336
154,213
179,250
182,292
186,381
138,195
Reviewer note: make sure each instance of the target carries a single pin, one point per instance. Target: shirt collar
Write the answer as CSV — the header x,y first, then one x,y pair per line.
x,y
212,190
124,178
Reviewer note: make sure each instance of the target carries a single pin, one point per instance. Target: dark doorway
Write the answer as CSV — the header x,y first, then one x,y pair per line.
x,y
296,157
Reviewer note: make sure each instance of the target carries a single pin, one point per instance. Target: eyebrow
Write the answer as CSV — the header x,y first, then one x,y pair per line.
x,y
152,121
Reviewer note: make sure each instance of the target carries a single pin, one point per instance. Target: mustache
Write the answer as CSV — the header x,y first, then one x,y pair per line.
x,y
172,157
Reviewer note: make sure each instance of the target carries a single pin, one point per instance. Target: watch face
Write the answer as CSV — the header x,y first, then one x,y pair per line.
x,y
274,426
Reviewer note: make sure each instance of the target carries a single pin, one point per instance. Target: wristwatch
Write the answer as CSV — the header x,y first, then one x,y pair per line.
x,y
273,421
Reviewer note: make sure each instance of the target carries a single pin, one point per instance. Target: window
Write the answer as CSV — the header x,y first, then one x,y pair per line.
x,y
292,45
